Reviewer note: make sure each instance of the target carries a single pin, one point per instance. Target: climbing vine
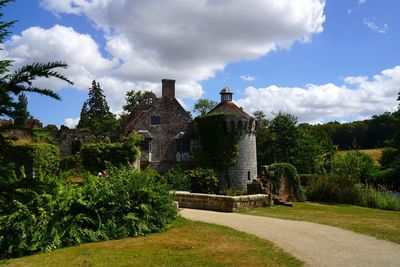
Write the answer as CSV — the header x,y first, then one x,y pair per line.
x,y
219,146
277,170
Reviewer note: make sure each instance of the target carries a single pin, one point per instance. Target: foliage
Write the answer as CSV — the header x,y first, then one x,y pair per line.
x,y
202,180
220,146
390,157
203,106
284,136
41,135
133,99
177,179
313,152
347,170
33,158
279,170
21,113
73,162
96,155
368,196
95,114
47,213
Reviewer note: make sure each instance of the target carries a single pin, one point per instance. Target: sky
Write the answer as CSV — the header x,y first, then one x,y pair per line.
x,y
318,60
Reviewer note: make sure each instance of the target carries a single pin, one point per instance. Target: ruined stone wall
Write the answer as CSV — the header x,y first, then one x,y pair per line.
x,y
219,202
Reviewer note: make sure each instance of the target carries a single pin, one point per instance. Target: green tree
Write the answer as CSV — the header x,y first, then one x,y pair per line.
x,y
95,114
133,99
284,136
21,113
14,83
203,106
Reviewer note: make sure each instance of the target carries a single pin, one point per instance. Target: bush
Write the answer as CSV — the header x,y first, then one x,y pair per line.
x,y
73,162
370,197
349,169
33,158
390,157
322,188
390,178
202,180
96,155
47,213
177,179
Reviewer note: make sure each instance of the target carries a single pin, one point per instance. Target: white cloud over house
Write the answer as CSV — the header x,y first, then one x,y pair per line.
x,y
188,40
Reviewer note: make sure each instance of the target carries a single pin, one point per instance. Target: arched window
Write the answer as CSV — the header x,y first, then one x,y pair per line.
x,y
248,176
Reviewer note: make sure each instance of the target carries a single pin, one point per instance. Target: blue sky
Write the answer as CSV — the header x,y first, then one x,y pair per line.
x,y
318,60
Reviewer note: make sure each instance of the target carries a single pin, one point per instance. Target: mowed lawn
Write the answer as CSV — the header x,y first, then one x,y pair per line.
x,y
381,224
186,244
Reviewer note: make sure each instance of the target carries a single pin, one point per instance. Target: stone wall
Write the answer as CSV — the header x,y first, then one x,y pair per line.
x,y
218,202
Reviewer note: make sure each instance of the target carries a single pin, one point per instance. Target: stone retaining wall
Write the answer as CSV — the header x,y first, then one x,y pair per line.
x,y
219,202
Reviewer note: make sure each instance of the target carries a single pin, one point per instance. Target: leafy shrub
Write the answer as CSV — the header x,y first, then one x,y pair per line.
x,y
390,178
71,162
370,197
390,157
40,135
322,188
202,180
47,213
34,158
177,179
96,155
348,169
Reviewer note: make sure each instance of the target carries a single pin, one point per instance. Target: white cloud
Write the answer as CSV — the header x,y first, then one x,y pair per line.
x,y
361,2
375,26
71,122
187,40
358,97
247,78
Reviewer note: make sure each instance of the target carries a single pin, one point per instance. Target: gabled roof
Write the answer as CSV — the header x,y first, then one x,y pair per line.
x,y
230,108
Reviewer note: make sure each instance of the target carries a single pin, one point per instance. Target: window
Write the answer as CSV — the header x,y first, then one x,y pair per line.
x,y
145,145
155,120
182,146
248,176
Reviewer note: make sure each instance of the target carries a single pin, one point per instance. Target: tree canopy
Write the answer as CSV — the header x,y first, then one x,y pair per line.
x,y
203,106
95,114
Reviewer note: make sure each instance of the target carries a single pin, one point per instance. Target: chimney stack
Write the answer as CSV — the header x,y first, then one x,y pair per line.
x,y
168,88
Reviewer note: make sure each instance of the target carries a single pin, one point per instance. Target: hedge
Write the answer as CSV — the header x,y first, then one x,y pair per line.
x,y
30,159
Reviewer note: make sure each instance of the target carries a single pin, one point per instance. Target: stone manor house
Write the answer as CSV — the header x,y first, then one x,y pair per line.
x,y
169,137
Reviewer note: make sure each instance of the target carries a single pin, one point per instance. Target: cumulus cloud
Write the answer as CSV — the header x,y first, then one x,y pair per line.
x,y
247,78
71,122
187,40
375,26
358,98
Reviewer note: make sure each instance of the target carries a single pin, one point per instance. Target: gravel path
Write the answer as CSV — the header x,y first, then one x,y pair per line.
x,y
315,244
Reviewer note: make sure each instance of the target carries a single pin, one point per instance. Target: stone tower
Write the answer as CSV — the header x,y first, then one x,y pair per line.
x,y
239,121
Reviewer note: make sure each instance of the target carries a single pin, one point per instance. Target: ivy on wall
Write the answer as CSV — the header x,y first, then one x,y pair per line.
x,y
219,145
278,170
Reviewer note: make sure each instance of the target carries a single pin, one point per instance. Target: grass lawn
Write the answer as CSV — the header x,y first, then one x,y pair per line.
x,y
379,223
187,244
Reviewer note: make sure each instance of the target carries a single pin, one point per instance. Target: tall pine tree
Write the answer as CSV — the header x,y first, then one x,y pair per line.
x,y
95,114
21,113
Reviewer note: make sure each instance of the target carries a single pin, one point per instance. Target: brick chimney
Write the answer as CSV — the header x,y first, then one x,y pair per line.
x,y
168,88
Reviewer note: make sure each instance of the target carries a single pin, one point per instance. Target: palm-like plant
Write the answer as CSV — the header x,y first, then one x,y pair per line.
x,y
14,83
